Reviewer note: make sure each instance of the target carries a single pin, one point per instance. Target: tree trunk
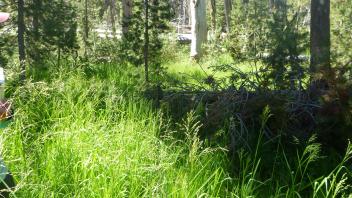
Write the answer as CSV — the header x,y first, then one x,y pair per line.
x,y
85,28
320,35
189,13
185,12
126,15
213,15
146,40
180,11
199,27
112,16
118,11
35,22
227,4
21,46
58,57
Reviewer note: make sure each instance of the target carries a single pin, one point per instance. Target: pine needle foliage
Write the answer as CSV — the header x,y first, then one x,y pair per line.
x,y
132,45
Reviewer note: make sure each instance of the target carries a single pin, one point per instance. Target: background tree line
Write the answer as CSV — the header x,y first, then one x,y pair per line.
x,y
252,28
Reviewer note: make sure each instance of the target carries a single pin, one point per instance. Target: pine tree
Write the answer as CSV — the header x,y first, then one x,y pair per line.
x,y
60,27
133,43
54,27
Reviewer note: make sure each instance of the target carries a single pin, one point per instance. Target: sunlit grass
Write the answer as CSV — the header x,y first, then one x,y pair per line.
x,y
186,69
84,136
89,133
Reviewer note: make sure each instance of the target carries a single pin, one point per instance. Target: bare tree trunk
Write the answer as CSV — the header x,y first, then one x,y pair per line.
x,y
189,13
35,36
320,35
35,23
227,4
146,40
118,12
185,12
213,15
199,27
85,28
126,15
179,11
21,46
113,16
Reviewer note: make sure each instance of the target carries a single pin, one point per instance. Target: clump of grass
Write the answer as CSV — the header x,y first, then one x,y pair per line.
x,y
336,183
268,168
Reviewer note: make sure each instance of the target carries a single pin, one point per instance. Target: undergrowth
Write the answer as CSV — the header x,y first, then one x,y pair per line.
x,y
90,133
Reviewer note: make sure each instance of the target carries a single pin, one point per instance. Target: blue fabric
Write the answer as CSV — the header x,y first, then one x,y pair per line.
x,y
4,123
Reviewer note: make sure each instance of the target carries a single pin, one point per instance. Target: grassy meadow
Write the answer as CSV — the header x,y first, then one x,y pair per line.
x,y
92,136
91,133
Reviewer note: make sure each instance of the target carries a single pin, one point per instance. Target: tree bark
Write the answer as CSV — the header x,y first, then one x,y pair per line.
x,y
179,11
35,22
85,28
113,16
126,15
320,35
199,27
20,36
118,11
227,4
146,40
189,13
186,12
213,15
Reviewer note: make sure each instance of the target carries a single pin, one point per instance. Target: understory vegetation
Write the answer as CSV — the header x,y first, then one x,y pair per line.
x,y
91,133
158,98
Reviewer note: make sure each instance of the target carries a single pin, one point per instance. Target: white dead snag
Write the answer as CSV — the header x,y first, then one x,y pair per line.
x,y
199,27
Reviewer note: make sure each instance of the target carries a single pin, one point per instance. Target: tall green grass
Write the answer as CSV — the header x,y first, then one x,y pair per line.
x,y
89,133
85,135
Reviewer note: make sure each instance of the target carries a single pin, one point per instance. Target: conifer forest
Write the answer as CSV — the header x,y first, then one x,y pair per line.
x,y
176,98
